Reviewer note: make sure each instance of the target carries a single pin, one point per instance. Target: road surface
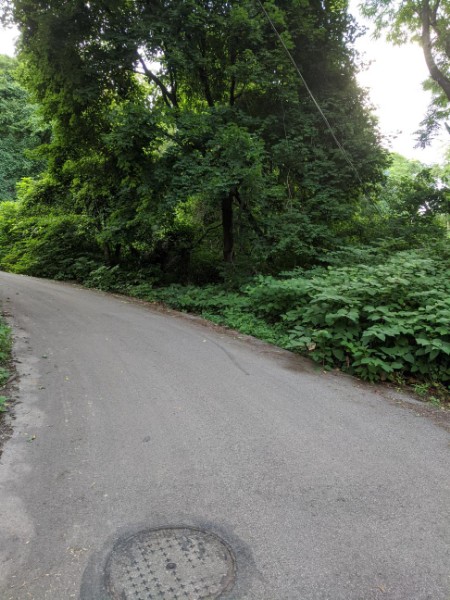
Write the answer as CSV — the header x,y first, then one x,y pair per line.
x,y
129,418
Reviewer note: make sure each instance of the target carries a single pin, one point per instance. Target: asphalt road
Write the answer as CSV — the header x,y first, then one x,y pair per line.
x,y
130,418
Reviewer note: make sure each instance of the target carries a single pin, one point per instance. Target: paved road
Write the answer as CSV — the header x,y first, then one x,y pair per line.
x,y
323,489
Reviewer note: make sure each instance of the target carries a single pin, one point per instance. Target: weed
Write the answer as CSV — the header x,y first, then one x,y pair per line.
x,y
421,389
3,403
4,376
5,353
434,401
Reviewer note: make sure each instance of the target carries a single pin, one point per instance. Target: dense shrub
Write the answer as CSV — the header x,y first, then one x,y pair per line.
x,y
372,321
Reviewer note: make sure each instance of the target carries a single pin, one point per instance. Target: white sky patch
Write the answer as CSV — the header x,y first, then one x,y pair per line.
x,y
8,39
394,80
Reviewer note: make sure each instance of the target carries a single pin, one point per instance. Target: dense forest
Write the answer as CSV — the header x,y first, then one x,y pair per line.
x,y
221,158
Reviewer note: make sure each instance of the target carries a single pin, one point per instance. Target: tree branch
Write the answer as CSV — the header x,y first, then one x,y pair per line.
x,y
169,98
205,83
233,57
203,74
232,90
204,235
434,10
436,74
250,216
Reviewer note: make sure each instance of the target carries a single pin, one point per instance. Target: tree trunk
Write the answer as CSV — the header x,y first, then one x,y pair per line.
x,y
227,228
436,74
112,255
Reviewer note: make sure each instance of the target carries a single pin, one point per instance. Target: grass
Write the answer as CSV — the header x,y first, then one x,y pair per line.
x,y
3,404
5,356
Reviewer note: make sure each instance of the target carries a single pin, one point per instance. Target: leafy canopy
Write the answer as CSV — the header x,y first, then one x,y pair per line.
x,y
173,106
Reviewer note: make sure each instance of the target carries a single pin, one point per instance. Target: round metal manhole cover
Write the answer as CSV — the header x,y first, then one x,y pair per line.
x,y
179,563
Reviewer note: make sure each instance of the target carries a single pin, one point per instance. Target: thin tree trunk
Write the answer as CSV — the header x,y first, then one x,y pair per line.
x,y
112,255
227,228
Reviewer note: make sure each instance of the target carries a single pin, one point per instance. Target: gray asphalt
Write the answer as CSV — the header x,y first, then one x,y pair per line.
x,y
130,418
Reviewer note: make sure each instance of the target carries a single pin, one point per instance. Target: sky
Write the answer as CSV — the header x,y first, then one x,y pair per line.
x,y
7,37
394,80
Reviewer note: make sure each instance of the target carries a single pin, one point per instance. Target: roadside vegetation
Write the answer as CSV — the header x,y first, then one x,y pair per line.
x,y
177,157
5,357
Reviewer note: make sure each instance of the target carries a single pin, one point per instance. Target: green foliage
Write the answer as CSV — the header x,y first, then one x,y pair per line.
x,y
412,197
165,109
373,321
105,278
3,404
47,244
5,355
411,210
20,131
5,347
215,303
185,150
4,376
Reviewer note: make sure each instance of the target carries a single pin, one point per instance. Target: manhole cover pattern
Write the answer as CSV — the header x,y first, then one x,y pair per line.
x,y
179,563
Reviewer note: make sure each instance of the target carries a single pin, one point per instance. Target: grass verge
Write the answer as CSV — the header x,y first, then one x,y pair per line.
x,y
5,357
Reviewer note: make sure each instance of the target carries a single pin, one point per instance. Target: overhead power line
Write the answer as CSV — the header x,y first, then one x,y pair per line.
x,y
308,89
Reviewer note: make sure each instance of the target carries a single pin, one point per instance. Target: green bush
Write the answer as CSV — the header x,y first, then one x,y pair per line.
x,y
5,346
115,279
45,245
370,320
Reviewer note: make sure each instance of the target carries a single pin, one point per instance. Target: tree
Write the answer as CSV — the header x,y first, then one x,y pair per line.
x,y
20,131
413,203
230,132
425,22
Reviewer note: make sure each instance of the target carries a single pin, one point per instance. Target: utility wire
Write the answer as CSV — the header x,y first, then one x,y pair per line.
x,y
308,89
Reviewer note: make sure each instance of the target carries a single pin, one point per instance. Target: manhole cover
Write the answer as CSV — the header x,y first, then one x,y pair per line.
x,y
179,563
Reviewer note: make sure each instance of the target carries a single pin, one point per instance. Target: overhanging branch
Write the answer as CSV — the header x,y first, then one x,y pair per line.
x,y
436,74
169,98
